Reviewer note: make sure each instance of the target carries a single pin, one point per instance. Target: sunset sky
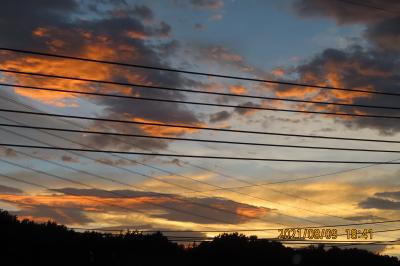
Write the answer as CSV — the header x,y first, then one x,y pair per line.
x,y
322,42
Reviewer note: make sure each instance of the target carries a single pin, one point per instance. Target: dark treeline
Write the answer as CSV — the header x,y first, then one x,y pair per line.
x,y
28,243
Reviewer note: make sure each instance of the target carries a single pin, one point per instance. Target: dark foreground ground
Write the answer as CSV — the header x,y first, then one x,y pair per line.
x,y
29,243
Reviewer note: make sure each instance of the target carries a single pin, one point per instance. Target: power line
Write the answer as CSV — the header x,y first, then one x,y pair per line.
x,y
157,168
197,140
187,238
194,127
88,197
192,72
163,181
129,185
112,180
207,104
124,183
195,180
217,188
307,177
193,156
252,184
202,182
367,5
232,106
50,189
162,170
160,180
205,238
231,188
107,203
249,186
209,218
197,103
135,210
168,172
153,167
189,178
121,195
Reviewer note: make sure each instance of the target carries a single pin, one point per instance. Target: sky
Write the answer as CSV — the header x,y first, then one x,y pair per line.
x,y
327,43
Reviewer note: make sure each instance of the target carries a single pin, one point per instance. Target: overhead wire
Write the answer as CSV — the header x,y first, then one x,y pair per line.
x,y
207,104
10,145
204,231
190,72
378,107
191,102
195,180
192,127
151,177
209,218
159,169
192,164
160,180
202,182
196,139
339,217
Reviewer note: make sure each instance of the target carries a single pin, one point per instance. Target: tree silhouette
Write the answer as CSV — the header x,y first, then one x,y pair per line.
x,y
28,243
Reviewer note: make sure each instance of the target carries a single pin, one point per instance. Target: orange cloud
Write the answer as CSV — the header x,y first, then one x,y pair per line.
x,y
349,96
237,89
38,219
298,92
50,66
163,131
64,67
278,72
219,54
75,209
251,212
40,32
333,79
88,203
137,35
98,47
